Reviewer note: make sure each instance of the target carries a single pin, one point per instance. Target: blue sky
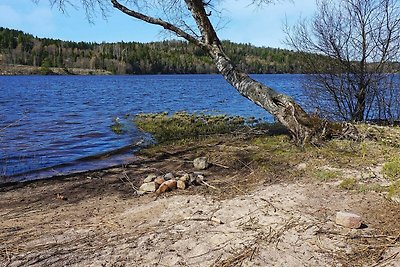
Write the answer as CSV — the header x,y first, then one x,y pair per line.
x,y
246,24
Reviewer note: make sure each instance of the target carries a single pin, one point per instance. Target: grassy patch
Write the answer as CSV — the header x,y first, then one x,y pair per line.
x,y
394,191
348,184
117,127
391,169
182,125
327,175
363,188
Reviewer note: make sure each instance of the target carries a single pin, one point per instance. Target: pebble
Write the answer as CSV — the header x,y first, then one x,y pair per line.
x,y
181,185
150,178
181,173
347,219
159,180
185,178
200,163
169,176
148,187
166,186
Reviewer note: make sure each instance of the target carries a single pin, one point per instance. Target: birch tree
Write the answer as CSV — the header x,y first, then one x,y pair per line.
x,y
193,20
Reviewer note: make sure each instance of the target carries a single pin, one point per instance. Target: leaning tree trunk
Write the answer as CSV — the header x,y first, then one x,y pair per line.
x,y
303,127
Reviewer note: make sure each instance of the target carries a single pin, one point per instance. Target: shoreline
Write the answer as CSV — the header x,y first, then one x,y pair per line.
x,y
15,70
255,211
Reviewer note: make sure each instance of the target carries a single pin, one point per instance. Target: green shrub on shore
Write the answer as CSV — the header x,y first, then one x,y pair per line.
x,y
183,125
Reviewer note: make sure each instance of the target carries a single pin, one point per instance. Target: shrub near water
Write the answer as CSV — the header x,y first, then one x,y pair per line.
x,y
182,125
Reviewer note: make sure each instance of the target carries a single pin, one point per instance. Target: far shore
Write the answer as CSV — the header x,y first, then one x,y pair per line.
x,y
12,70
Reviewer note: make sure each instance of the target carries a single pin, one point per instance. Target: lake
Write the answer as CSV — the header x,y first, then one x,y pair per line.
x,y
52,125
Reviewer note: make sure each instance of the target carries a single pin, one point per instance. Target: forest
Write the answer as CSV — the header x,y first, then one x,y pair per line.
x,y
165,57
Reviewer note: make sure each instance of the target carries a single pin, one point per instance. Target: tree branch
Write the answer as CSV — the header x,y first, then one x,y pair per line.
x,y
166,25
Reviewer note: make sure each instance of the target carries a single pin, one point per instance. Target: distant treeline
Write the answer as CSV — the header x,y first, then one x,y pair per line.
x,y
17,47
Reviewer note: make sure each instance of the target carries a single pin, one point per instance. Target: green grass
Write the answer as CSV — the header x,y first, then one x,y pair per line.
x,y
182,125
394,190
348,184
391,169
117,127
327,175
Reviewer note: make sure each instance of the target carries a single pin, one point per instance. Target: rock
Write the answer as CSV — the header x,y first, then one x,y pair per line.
x,y
150,178
185,178
159,180
301,166
181,173
163,188
347,219
169,176
148,187
171,184
200,163
139,192
166,186
181,185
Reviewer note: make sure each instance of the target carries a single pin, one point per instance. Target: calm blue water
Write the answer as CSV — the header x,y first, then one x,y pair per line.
x,y
58,124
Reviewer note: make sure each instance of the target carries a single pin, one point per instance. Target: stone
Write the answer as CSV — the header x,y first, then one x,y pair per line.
x,y
181,185
169,176
159,180
185,178
301,166
139,193
181,173
347,219
150,178
171,184
200,163
148,187
166,186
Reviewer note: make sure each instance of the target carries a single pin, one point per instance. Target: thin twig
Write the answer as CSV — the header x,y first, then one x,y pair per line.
x,y
387,260
219,165
207,184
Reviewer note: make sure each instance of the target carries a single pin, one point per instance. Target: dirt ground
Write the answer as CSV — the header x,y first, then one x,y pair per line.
x,y
249,217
